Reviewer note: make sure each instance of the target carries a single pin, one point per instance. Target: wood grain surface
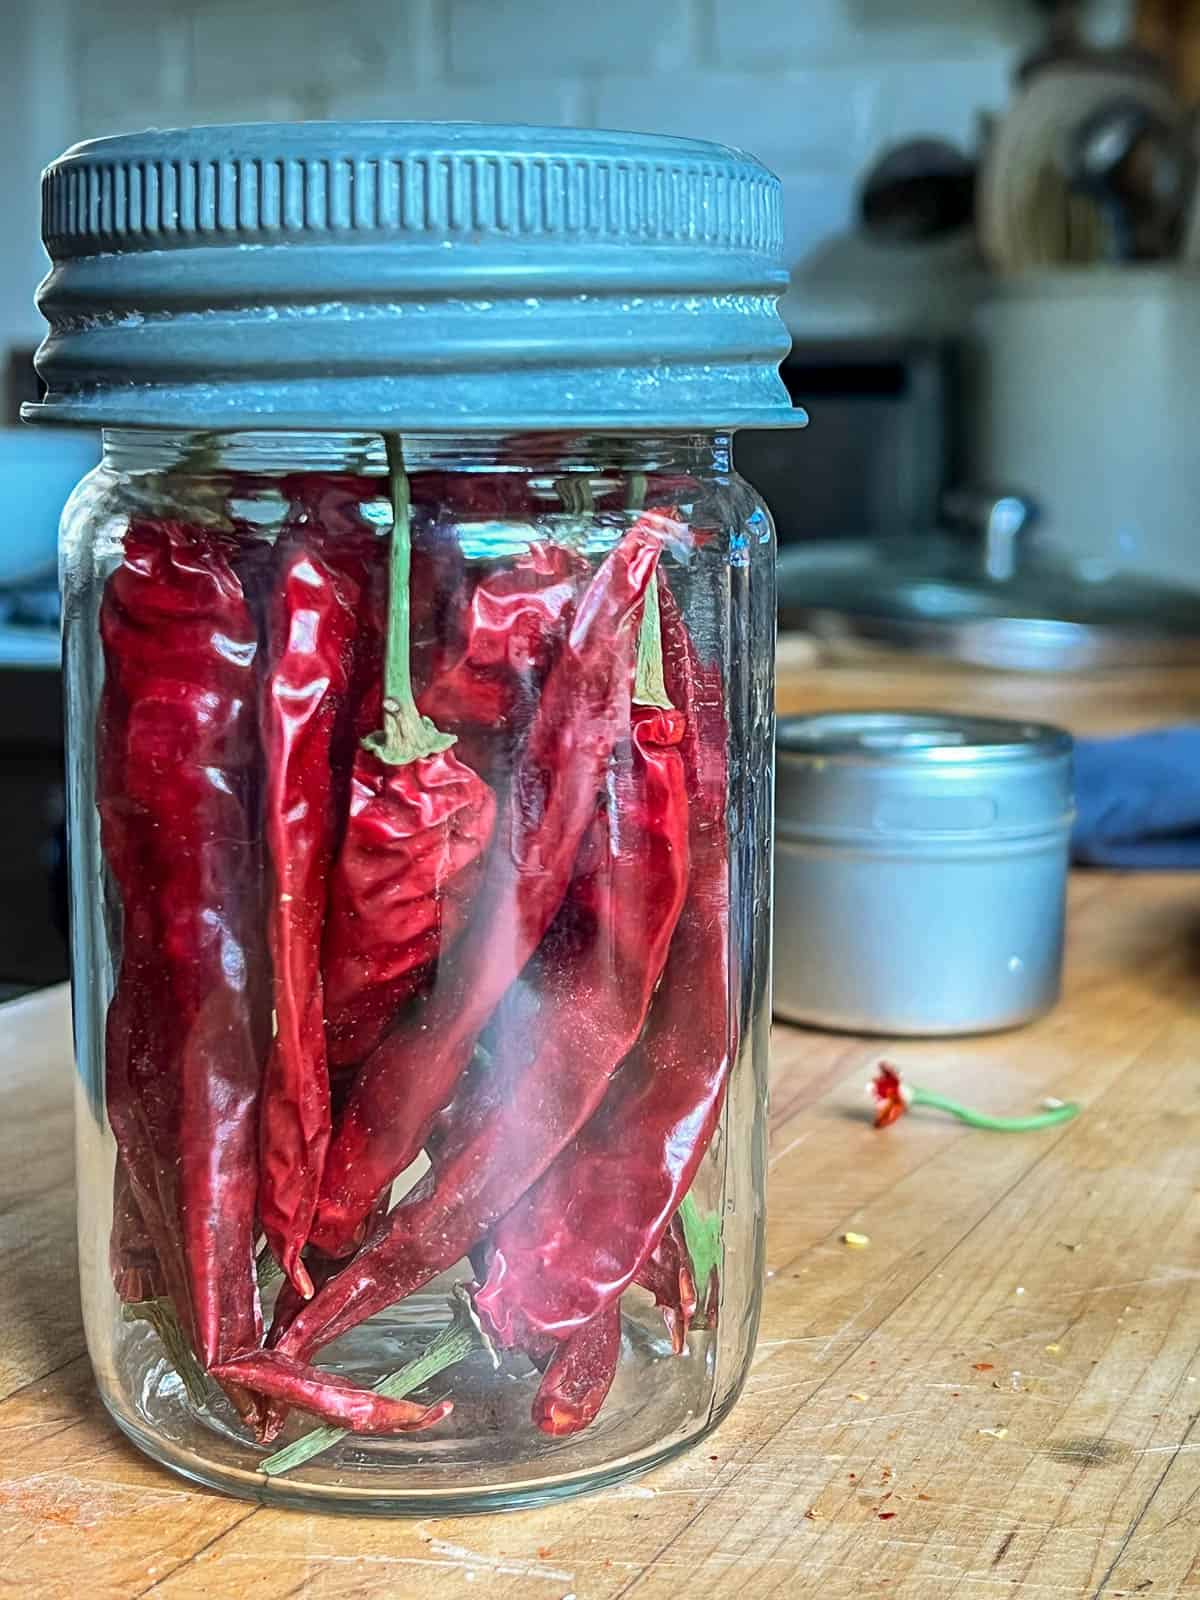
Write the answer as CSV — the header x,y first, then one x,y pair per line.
x,y
998,1396
1086,703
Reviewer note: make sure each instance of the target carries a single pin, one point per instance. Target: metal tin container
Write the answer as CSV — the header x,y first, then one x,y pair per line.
x,y
920,871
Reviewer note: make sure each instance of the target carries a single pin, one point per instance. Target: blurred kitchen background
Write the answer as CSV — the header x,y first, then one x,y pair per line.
x,y
993,233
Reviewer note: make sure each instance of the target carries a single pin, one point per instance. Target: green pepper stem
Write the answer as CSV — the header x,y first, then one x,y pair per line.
x,y
450,1346
649,685
703,1236
406,735
160,1314
977,1119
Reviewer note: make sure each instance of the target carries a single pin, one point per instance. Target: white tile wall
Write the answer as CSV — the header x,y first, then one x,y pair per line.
x,y
815,87
759,33
788,119
490,38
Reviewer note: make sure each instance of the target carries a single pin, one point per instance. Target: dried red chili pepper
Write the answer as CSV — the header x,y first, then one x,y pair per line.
x,y
384,933
667,1273
316,593
473,495
418,828
576,1383
141,1095
561,1031
179,646
581,714
582,1234
325,1395
891,1095
484,686
401,891
144,1250
132,1252
348,510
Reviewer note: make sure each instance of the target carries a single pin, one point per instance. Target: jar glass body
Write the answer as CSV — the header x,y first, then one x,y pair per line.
x,y
470,1036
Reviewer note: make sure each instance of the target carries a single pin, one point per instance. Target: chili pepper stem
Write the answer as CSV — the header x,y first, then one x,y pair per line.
x,y
977,1119
649,685
406,735
160,1314
452,1345
703,1235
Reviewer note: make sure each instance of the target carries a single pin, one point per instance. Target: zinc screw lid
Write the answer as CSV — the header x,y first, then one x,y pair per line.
x,y
422,276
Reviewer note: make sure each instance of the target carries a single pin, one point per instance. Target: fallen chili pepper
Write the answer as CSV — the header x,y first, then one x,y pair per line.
x,y
417,832
317,584
581,715
893,1097
584,1231
179,648
333,1399
561,1032
576,1383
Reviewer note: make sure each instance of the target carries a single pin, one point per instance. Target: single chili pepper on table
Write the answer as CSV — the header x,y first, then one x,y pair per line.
x,y
893,1096
416,835
179,645
582,712
316,592
586,1229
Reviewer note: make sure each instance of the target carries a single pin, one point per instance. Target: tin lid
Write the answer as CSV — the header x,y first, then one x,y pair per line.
x,y
421,276
920,775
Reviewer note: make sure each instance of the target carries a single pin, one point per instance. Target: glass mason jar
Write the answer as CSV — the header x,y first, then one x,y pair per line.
x,y
420,812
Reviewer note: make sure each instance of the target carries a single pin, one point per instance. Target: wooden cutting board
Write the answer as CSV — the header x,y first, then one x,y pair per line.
x,y
998,1396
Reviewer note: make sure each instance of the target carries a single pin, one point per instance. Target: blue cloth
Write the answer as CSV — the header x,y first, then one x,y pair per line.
x,y
1138,800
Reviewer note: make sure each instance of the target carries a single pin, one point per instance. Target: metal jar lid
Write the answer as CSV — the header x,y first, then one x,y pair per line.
x,y
915,781
421,276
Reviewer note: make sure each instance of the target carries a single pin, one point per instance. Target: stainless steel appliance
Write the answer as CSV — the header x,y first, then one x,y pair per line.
x,y
877,452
